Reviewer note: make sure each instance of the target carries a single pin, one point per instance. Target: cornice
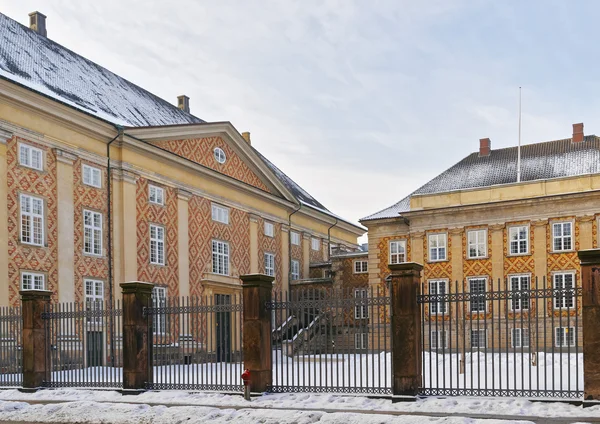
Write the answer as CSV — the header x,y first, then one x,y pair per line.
x,y
183,194
585,218
497,227
65,157
456,231
417,234
539,222
254,217
5,135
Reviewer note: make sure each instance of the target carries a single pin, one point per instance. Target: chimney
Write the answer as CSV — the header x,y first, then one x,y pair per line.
x,y
37,22
578,133
485,147
183,103
246,136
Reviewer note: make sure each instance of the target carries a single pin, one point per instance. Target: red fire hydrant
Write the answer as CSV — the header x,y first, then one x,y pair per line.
x,y
246,380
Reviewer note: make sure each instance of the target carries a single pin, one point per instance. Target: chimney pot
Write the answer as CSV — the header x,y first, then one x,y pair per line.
x,y
485,147
37,22
183,103
246,136
578,132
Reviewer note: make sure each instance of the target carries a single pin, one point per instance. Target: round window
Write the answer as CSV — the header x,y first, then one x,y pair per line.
x,y
220,155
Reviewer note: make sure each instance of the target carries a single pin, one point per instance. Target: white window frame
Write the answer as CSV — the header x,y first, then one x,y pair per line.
x,y
269,264
94,297
37,280
438,243
560,301
435,337
360,266
220,257
438,308
220,155
295,238
570,330
92,233
479,301
515,282
159,300
94,174
32,154
516,230
397,251
361,341
157,244
32,220
479,331
295,268
520,331
315,244
269,229
361,311
220,213
561,238
156,195
477,238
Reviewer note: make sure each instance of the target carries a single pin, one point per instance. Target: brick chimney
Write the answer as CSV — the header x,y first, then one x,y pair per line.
x,y
183,103
246,136
37,22
578,132
485,147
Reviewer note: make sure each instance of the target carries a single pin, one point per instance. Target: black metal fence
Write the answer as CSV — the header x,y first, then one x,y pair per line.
x,y
331,341
197,343
11,345
512,338
85,344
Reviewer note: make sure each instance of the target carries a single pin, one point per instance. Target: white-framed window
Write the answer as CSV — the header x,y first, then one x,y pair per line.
x,y
437,288
315,244
361,341
518,240
520,337
562,236
564,295
32,220
220,155
361,309
31,157
477,243
91,176
295,269
220,214
92,232
94,297
269,229
157,244
478,338
159,300
519,286
477,289
220,257
360,267
564,336
270,264
33,281
437,340
397,251
295,237
156,194
437,247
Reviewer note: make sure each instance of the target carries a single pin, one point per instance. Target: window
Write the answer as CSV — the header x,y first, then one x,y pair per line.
x,y
437,340
32,220
94,297
220,257
562,236
564,336
563,293
519,285
361,340
220,155
360,267
157,245
397,252
520,337
477,243
437,247
92,232
519,240
33,281
361,309
295,238
437,305
478,338
477,288
270,264
91,176
269,229
315,243
30,157
295,270
156,195
159,300
220,214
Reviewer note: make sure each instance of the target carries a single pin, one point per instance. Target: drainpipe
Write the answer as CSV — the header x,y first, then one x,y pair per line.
x,y
290,243
329,239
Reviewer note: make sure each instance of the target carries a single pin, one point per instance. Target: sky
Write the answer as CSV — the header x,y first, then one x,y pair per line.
x,y
360,102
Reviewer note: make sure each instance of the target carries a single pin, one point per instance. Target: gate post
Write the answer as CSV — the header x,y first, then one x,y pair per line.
x,y
36,346
137,336
406,329
256,330
590,282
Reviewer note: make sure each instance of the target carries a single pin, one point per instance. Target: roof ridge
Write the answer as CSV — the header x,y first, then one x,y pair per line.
x,y
537,144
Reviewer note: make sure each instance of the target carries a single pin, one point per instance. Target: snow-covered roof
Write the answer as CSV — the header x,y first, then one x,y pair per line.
x,y
540,161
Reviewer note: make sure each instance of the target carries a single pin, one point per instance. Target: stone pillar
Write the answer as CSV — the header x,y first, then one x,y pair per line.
x,y
256,343
254,219
456,254
36,347
416,247
285,258
586,236
183,241
406,329
137,336
129,218
4,300
497,252
305,254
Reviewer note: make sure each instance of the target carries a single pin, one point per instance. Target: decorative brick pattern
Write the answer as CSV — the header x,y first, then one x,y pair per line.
x,y
441,269
270,245
297,255
477,268
316,256
383,258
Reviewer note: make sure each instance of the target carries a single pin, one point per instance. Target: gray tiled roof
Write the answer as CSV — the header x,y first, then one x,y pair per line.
x,y
552,159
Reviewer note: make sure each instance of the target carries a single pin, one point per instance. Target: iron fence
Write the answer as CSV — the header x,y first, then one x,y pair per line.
x,y
331,341
11,345
513,338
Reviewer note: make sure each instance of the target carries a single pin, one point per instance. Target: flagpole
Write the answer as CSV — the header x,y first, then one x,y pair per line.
x,y
519,148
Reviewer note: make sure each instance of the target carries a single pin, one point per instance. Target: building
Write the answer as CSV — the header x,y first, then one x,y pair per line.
x,y
479,227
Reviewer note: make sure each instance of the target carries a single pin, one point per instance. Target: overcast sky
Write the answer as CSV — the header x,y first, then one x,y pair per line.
x,y
360,102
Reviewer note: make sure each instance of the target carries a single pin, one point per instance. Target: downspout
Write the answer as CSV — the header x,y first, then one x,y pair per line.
x,y
290,243
329,239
